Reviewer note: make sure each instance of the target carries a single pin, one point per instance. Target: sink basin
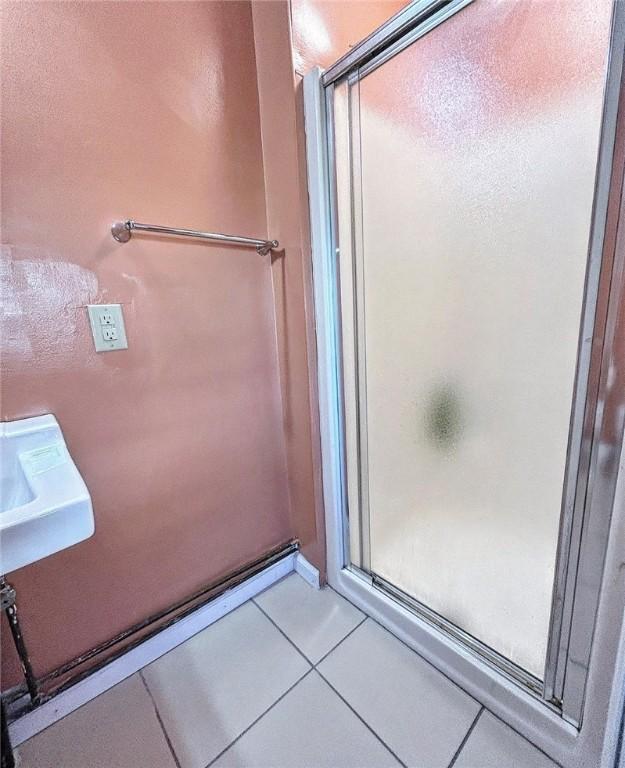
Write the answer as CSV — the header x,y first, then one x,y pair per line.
x,y
44,503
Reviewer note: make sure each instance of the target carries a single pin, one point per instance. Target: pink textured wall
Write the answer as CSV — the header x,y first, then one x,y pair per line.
x,y
287,216
144,110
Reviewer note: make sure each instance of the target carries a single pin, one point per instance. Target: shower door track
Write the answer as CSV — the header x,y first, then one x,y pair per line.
x,y
481,650
564,726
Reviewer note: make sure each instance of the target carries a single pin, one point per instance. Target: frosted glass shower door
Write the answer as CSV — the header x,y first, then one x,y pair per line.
x,y
471,170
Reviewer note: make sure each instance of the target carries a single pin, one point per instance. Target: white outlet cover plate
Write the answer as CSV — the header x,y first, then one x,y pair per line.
x,y
95,312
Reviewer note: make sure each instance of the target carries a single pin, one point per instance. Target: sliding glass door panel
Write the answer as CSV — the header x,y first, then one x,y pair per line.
x,y
465,170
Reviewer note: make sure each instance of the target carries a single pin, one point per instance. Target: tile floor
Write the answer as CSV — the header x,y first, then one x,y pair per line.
x,y
296,678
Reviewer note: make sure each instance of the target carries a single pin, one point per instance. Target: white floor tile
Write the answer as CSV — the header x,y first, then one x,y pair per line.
x,y
116,730
421,715
314,619
309,727
211,688
492,744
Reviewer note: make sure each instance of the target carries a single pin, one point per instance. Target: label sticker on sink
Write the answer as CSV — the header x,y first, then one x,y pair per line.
x,y
42,459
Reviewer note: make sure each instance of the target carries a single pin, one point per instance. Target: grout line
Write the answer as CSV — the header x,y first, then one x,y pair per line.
x,y
325,655
160,720
314,668
260,717
413,650
361,718
282,632
466,738
446,676
334,647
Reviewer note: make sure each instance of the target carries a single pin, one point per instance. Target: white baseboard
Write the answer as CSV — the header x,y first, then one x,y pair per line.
x,y
63,703
307,571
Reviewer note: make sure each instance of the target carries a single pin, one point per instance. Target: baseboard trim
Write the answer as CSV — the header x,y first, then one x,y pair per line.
x,y
67,701
307,571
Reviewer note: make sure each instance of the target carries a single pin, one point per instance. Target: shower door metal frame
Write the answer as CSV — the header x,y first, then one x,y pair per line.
x,y
551,715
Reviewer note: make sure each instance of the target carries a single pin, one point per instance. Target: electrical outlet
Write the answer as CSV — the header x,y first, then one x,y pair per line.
x,y
107,327
106,318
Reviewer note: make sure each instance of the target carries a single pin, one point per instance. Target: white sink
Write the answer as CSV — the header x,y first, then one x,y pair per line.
x,y
44,503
